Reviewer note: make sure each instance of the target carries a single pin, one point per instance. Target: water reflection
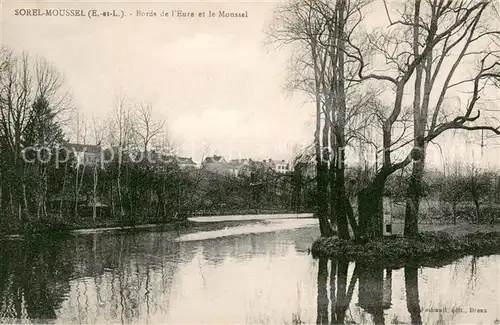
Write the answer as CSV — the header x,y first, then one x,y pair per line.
x,y
264,278
374,291
373,288
122,277
378,303
34,278
333,304
412,296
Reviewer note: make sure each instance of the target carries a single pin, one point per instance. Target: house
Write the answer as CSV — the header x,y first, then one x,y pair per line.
x,y
217,164
279,166
240,167
85,154
392,226
154,157
215,160
186,163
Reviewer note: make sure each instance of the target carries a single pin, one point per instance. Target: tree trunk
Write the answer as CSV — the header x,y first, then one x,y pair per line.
x,y
340,99
420,111
38,208
112,197
321,200
12,208
24,194
25,199
478,210
75,208
45,191
414,193
333,191
351,217
94,194
63,192
321,168
328,195
1,192
341,203
371,209
118,187
454,208
39,192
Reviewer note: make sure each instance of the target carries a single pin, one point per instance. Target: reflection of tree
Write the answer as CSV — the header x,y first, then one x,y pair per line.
x,y
34,279
122,276
322,303
375,291
344,297
340,293
412,299
141,282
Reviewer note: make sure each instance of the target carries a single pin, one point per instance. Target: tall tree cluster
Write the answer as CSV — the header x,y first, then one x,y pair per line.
x,y
43,181
32,105
395,79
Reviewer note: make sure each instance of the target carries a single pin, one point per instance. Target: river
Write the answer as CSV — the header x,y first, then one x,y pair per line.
x,y
231,272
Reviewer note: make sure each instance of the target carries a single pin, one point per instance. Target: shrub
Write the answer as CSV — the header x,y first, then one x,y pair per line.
x,y
393,249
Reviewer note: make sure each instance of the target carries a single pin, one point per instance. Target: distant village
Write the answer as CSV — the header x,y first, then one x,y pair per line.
x,y
91,155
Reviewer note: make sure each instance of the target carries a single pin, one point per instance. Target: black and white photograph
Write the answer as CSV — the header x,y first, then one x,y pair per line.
x,y
249,162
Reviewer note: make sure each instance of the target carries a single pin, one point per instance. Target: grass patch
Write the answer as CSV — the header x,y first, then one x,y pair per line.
x,y
395,251
55,227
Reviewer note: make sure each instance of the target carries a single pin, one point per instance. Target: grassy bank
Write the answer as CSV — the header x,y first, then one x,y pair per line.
x,y
395,251
56,227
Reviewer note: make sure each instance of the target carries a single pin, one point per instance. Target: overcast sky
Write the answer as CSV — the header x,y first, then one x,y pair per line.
x,y
217,83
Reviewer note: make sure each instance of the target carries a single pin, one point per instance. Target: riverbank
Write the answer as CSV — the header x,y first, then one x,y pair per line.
x,y
57,226
449,243
55,229
241,212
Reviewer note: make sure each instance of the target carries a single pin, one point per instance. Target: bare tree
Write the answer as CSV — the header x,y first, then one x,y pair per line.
x,y
439,54
32,104
453,188
99,131
80,128
321,68
121,137
298,22
148,125
478,185
415,45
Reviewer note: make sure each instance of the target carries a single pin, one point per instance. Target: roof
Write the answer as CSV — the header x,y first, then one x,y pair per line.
x,y
236,162
185,161
214,159
277,162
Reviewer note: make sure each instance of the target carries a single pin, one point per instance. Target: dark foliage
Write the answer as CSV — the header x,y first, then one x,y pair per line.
x,y
394,251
